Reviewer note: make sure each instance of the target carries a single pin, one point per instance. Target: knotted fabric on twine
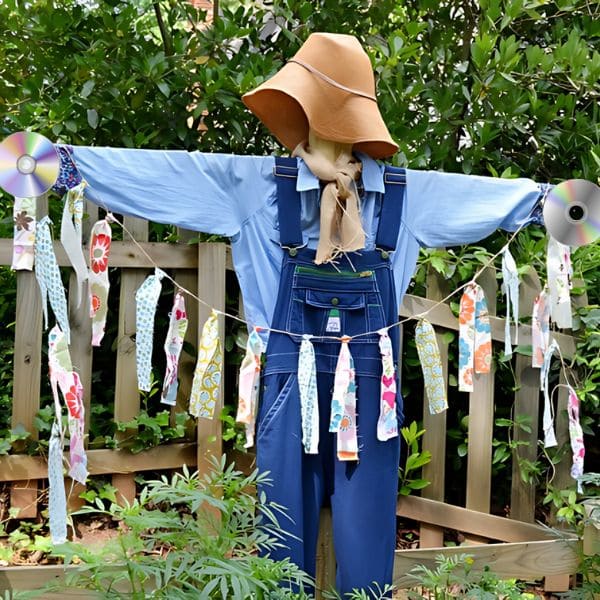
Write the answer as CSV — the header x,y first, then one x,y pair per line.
x,y
48,277
24,234
207,375
510,287
100,241
387,424
560,272
71,234
309,400
146,299
249,381
341,226
431,364
343,405
540,328
576,437
475,338
178,323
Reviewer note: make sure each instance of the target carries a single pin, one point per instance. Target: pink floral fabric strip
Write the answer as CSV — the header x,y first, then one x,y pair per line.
x,y
540,329
560,272
70,235
475,337
387,424
343,405
576,437
24,234
249,385
178,323
100,240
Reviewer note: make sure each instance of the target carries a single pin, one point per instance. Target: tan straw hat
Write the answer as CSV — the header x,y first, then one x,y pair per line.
x,y
329,87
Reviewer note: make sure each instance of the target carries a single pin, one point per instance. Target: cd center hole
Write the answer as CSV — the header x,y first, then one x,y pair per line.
x,y
26,164
576,213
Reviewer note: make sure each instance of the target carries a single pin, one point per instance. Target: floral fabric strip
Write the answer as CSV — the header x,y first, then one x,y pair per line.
x,y
248,385
146,299
540,328
576,437
559,283
475,338
24,234
343,405
178,324
548,418
57,500
48,277
70,235
510,287
100,240
64,378
431,364
387,424
309,399
206,385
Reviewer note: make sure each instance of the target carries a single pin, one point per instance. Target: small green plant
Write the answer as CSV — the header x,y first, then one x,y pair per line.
x,y
148,431
454,577
415,459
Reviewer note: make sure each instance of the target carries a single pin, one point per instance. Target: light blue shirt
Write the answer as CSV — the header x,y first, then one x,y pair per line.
x,y
235,196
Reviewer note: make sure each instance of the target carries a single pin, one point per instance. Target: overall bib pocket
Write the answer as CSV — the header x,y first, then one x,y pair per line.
x,y
274,399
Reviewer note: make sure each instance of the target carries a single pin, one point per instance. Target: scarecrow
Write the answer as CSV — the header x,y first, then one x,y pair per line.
x,y
324,245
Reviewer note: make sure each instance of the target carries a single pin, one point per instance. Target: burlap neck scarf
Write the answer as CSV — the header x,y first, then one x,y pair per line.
x,y
341,227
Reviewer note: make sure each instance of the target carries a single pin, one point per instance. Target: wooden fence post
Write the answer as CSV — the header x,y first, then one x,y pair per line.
x,y
127,397
434,438
527,401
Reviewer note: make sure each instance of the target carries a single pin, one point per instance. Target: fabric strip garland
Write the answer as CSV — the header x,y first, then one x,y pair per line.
x,y
178,323
309,400
207,375
249,385
57,500
24,210
343,405
48,277
70,235
540,328
475,338
510,287
100,241
387,424
146,299
576,437
548,418
559,283
431,364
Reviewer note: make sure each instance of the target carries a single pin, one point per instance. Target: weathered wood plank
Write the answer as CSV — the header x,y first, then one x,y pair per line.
x,y
325,576
523,560
211,289
127,398
527,399
481,420
103,462
442,315
470,521
434,438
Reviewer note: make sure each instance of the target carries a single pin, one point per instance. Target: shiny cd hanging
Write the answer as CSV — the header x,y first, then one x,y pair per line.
x,y
29,164
572,212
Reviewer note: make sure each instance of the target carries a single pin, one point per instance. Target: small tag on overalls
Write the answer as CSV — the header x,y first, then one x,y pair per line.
x,y
334,324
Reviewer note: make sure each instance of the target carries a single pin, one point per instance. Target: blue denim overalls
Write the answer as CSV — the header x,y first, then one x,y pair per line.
x,y
361,296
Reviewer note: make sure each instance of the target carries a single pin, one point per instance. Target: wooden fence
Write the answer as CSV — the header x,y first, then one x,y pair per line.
x,y
529,550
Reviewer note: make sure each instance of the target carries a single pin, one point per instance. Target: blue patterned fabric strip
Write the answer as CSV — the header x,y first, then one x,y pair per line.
x,y
548,418
146,299
510,287
47,273
68,176
309,401
57,500
431,364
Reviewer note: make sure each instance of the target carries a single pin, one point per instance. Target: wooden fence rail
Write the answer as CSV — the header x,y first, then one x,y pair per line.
x,y
202,268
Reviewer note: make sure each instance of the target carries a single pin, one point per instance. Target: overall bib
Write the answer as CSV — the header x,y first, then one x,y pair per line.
x,y
359,296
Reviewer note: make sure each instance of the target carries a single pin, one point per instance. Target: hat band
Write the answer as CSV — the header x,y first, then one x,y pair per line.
x,y
332,81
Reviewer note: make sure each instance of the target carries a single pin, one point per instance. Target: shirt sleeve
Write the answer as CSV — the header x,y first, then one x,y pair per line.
x,y
213,193
446,209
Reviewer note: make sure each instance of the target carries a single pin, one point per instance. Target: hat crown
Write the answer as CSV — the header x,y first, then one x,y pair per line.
x,y
339,57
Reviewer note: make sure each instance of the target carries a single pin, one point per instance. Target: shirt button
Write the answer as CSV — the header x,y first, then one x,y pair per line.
x,y
293,251
335,301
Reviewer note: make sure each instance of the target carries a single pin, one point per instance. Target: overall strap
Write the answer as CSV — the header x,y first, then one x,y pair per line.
x,y
288,202
394,179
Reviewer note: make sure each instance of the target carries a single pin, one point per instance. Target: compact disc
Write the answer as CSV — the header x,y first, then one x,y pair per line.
x,y
572,212
29,164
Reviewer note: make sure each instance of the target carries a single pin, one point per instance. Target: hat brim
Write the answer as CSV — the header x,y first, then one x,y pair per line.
x,y
294,100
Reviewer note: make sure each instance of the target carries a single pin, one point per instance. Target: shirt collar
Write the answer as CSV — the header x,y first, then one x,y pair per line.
x,y
372,175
